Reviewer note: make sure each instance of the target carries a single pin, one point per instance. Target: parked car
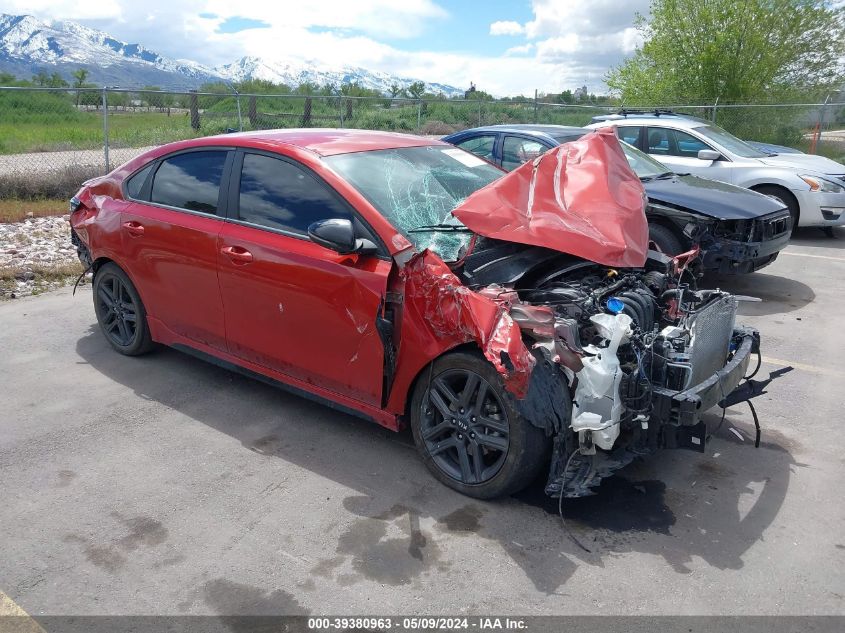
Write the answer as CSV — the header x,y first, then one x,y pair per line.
x,y
739,231
811,187
402,279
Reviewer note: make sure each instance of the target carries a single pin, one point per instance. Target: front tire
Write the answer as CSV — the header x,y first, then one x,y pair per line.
x,y
665,239
469,432
786,198
120,312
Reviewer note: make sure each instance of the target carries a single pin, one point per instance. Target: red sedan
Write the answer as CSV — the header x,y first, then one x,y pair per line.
x,y
402,279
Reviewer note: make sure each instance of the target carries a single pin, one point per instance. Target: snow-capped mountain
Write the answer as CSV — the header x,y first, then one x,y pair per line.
x,y
294,73
28,46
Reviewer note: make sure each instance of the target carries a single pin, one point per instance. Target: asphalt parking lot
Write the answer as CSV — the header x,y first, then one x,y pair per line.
x,y
166,485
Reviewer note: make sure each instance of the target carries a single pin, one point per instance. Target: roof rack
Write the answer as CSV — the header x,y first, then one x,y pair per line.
x,y
655,112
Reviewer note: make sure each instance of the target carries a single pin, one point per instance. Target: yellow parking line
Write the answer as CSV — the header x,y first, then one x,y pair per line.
x,y
19,620
810,368
833,259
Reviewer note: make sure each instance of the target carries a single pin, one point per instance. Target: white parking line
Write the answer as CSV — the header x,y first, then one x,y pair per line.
x,y
809,368
834,259
22,622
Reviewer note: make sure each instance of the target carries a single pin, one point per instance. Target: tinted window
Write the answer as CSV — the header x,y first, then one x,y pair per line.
x,y
190,181
279,195
687,145
629,134
516,151
658,141
136,183
480,146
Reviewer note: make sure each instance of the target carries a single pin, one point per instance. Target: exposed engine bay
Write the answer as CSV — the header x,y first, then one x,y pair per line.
x,y
628,358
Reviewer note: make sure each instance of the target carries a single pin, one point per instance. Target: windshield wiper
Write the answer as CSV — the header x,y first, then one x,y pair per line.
x,y
666,175
425,228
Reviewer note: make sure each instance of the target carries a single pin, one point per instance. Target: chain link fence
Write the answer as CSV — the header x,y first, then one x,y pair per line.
x,y
53,139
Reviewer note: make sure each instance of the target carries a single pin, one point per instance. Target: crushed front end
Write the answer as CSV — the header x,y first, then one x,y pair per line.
x,y
626,359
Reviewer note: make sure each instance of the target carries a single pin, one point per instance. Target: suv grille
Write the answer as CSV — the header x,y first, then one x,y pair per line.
x,y
771,226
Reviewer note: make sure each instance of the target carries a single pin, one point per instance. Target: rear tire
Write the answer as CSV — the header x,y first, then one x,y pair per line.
x,y
665,239
786,198
120,312
469,432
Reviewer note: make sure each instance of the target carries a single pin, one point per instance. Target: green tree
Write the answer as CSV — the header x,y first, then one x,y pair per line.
x,y
79,77
416,90
736,51
56,81
396,90
41,78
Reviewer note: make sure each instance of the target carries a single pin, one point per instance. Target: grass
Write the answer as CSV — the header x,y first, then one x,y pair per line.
x,y
17,210
46,277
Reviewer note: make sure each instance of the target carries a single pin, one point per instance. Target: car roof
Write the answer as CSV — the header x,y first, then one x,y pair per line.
x,y
326,142
674,121
532,129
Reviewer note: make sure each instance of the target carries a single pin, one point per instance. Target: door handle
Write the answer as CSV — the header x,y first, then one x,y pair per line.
x,y
237,254
134,228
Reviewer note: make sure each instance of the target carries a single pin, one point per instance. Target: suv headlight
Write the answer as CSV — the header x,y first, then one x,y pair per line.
x,y
821,184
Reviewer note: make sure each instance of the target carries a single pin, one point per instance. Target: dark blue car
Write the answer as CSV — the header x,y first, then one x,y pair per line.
x,y
738,230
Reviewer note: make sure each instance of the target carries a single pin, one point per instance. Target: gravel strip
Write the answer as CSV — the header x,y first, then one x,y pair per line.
x,y
36,255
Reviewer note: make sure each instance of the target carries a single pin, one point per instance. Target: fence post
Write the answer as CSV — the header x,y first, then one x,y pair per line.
x,y
715,107
306,112
238,99
106,129
252,112
340,109
535,105
419,115
479,113
195,111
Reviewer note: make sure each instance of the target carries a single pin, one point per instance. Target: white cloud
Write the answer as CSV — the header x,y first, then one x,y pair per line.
x,y
523,49
565,44
506,28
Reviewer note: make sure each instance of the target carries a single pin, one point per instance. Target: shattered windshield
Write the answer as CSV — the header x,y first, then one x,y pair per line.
x,y
416,188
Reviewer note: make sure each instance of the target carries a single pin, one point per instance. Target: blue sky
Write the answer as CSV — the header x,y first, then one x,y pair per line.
x,y
505,47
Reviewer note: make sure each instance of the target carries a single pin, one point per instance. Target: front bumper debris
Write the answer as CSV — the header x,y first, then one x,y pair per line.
x,y
684,408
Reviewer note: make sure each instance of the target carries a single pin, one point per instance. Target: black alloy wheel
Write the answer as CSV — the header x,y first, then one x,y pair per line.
x,y
120,313
469,430
465,426
120,321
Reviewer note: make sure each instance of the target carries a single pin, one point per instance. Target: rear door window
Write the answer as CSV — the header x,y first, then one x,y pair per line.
x,y
280,195
517,150
480,146
190,181
658,141
630,134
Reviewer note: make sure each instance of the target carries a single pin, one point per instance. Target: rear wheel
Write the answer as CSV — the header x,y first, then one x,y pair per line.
x,y
468,431
665,239
120,313
786,198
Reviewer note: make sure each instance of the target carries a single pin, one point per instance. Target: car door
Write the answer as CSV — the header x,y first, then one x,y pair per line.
x,y
678,150
170,231
291,305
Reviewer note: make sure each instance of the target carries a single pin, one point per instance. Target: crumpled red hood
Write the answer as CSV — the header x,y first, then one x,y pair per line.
x,y
580,198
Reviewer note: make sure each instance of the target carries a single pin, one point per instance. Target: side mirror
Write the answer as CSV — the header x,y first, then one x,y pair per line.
x,y
338,234
708,154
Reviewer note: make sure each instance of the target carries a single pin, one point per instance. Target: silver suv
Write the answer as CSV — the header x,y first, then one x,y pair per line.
x,y
811,187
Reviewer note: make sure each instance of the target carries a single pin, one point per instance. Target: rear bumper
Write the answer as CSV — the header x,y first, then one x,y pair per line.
x,y
684,408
